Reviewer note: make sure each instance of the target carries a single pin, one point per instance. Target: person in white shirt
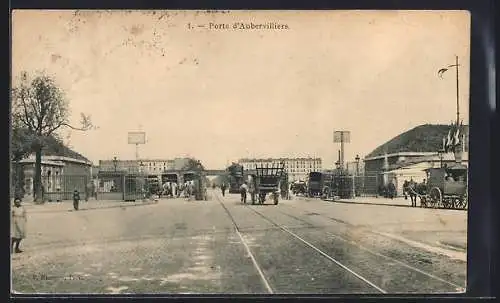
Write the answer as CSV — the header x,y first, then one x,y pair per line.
x,y
243,191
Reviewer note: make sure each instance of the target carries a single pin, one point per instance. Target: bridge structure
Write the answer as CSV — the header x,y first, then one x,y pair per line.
x,y
215,172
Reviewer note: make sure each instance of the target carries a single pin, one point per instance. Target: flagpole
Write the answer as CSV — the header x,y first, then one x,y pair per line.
x,y
458,106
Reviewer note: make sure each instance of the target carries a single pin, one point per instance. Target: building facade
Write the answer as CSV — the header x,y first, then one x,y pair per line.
x,y
298,168
55,169
399,167
144,166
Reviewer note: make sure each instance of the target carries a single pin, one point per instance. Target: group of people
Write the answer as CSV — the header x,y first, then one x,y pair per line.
x,y
174,190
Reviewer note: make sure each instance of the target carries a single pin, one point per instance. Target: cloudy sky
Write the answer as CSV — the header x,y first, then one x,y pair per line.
x,y
223,94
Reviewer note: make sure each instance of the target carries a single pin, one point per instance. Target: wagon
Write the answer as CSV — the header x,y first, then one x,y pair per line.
x,y
267,179
446,187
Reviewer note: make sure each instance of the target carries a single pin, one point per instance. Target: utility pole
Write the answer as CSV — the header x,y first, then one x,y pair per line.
x,y
458,103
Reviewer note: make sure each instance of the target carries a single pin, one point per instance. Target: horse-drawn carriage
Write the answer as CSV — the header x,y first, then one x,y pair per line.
x,y
267,180
445,187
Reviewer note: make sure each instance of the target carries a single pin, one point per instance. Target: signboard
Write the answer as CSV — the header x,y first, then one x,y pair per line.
x,y
136,138
339,135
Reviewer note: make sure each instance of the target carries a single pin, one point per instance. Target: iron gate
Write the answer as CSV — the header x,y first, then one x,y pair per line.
x,y
59,188
367,186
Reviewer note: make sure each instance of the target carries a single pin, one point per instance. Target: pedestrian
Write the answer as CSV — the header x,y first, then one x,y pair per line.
x,y
174,189
88,190
76,199
243,192
392,190
223,188
18,225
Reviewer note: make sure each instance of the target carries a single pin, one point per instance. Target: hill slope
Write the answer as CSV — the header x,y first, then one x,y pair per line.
x,y
423,138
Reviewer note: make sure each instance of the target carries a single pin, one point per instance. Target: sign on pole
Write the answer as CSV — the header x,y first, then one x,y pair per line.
x,y
136,137
341,136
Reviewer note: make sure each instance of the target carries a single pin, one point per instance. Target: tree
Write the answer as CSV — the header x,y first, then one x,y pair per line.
x,y
39,110
193,164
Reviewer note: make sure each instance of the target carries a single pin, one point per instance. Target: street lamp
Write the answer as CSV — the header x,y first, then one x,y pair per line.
x,y
440,154
115,162
357,165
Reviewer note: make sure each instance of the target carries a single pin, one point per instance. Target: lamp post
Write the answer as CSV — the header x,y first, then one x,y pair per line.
x,y
440,154
115,162
357,165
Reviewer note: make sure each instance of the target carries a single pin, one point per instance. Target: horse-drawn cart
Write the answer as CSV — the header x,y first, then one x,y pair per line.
x,y
267,179
446,187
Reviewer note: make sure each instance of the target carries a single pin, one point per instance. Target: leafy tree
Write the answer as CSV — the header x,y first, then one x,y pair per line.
x,y
39,110
193,164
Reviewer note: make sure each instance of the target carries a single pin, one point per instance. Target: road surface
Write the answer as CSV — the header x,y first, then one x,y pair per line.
x,y
300,246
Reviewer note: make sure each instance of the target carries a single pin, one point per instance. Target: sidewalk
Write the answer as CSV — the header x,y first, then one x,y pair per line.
x,y
66,206
398,202
443,231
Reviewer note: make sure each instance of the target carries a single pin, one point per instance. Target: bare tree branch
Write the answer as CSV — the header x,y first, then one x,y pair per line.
x,y
39,109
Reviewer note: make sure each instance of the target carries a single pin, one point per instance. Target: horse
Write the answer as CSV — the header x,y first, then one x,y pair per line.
x,y
421,191
412,192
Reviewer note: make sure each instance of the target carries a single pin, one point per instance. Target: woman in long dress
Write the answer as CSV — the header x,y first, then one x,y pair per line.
x,y
18,225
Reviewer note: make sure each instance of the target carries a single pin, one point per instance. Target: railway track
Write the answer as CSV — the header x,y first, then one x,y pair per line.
x,y
310,242
264,279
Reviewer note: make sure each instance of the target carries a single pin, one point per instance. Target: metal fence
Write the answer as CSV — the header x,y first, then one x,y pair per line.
x,y
119,186
367,186
59,188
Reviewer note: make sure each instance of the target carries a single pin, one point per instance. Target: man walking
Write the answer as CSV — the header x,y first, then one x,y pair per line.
x,y
223,188
76,199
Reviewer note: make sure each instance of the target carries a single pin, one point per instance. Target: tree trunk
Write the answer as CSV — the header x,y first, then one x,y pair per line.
x,y
38,175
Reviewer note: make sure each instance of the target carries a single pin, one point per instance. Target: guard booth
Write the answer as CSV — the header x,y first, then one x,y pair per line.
x,y
134,187
345,186
111,185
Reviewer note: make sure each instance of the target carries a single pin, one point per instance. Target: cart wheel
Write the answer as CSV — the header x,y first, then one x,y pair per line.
x,y
448,202
436,198
461,202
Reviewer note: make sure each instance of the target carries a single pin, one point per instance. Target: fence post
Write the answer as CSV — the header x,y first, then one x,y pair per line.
x,y
123,186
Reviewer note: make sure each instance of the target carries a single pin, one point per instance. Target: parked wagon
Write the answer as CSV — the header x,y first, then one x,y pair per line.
x,y
446,187
266,180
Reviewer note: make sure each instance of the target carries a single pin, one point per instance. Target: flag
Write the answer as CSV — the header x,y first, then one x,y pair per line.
x,y
456,136
448,140
444,144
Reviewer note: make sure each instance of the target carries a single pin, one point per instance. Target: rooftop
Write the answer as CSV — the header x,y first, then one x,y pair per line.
x,y
421,139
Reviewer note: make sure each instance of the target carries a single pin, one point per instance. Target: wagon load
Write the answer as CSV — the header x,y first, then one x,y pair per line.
x,y
267,180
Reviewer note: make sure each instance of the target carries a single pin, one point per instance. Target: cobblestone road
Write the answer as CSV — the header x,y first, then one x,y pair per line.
x,y
221,246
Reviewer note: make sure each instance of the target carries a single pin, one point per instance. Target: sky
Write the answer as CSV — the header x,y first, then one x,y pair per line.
x,y
221,94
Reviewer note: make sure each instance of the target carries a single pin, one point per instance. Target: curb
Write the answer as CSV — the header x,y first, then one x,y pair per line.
x,y
450,253
454,246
